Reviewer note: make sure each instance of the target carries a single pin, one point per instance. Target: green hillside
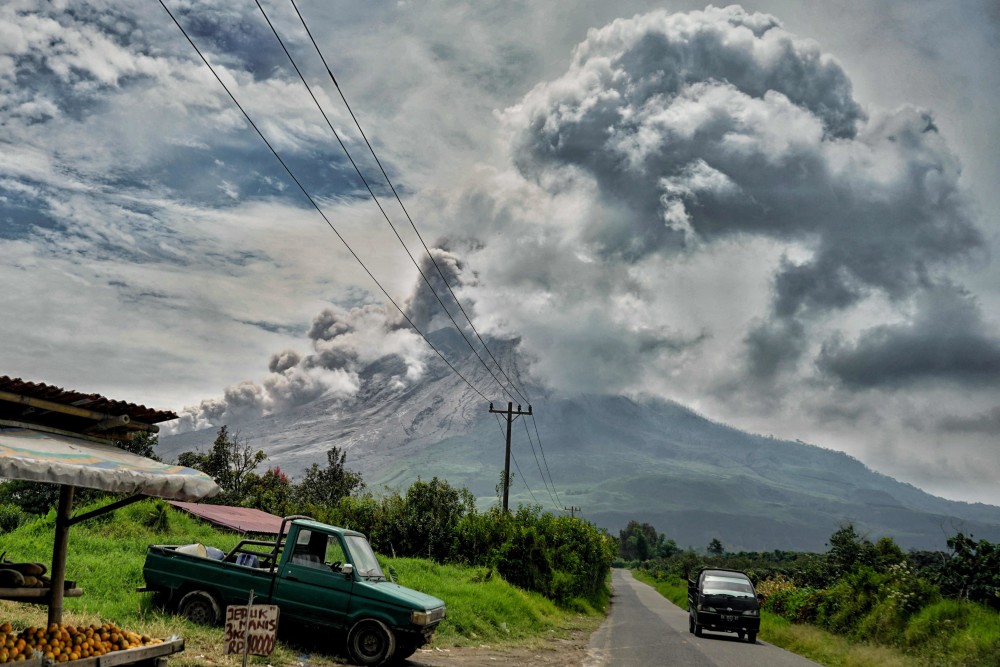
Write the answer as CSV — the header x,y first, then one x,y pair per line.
x,y
693,479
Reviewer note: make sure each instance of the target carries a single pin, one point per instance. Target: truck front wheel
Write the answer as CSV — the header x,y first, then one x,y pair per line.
x,y
370,642
404,650
200,607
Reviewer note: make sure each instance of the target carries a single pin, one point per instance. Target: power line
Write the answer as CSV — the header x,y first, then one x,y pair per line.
x,y
375,198
392,187
523,480
539,437
535,454
408,217
313,201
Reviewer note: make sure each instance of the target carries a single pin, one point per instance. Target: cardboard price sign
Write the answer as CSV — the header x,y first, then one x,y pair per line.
x,y
252,629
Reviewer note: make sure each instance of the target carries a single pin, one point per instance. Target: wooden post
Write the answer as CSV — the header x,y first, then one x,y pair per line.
x,y
59,547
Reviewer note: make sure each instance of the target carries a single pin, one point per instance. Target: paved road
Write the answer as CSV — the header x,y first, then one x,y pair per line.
x,y
644,628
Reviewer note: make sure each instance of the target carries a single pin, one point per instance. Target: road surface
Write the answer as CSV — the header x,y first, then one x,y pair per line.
x,y
644,628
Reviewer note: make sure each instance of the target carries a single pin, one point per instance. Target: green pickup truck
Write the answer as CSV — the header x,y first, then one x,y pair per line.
x,y
318,575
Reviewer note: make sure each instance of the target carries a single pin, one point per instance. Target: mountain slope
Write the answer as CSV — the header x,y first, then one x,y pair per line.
x,y
616,458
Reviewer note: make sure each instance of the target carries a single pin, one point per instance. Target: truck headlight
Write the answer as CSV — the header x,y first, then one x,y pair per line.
x,y
705,607
420,617
751,612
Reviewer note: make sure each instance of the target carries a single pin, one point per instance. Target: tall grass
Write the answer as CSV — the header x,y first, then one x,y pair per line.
x,y
954,632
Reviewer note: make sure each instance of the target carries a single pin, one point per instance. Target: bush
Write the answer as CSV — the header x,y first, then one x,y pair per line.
x,y
11,516
563,558
850,600
798,605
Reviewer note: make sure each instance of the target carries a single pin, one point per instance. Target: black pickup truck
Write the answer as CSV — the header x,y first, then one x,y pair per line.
x,y
723,601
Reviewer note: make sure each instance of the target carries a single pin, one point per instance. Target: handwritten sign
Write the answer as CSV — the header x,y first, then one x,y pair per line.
x,y
252,628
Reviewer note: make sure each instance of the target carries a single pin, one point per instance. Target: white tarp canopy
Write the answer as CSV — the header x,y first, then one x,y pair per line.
x,y
60,459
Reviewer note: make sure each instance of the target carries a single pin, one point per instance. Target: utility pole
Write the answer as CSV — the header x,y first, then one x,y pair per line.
x,y
572,511
509,415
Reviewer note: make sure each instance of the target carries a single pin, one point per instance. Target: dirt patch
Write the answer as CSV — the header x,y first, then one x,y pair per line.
x,y
567,648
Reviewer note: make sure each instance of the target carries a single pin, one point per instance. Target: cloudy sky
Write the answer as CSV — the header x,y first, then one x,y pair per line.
x,y
782,214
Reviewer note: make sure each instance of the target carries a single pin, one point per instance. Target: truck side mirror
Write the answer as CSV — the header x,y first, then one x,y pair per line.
x,y
347,570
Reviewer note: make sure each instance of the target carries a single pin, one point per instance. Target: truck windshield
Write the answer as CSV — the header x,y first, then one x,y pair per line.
x,y
365,563
732,586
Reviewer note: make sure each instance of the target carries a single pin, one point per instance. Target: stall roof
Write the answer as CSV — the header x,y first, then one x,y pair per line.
x,y
61,459
243,519
36,403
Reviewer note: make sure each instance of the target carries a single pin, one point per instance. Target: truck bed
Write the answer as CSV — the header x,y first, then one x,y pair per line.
x,y
173,572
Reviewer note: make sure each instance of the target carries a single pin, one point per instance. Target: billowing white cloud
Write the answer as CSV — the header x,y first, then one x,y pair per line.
x,y
681,148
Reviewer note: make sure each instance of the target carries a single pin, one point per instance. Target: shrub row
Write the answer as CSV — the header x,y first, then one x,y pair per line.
x,y
563,558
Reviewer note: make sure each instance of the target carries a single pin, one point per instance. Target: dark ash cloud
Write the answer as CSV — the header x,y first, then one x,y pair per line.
x,y
987,423
774,346
425,309
946,340
344,343
282,361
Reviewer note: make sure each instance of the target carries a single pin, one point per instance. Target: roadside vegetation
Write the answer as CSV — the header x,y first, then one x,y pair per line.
x,y
859,604
106,557
506,578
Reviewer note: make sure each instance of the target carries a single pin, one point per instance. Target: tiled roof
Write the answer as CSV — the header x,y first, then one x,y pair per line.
x,y
13,409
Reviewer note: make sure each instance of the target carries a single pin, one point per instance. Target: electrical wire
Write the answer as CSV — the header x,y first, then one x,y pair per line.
x,y
375,198
385,215
392,187
542,449
313,201
523,480
535,454
516,467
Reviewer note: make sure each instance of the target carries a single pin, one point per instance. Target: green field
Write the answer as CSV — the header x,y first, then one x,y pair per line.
x,y
106,556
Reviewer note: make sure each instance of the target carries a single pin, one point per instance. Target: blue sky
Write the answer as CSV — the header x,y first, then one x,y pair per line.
x,y
782,214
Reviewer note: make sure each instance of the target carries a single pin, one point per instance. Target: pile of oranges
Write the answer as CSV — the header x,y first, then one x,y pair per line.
x,y
62,643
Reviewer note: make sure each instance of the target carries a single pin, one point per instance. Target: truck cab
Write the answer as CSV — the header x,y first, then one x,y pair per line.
x,y
723,601
318,575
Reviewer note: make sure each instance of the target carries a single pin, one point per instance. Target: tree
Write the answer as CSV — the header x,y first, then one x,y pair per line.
x,y
715,548
230,463
271,492
666,548
638,541
30,497
849,550
326,486
141,444
973,571
432,510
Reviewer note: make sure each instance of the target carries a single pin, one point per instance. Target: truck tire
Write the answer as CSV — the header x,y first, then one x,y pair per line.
x,y
200,607
752,637
403,651
370,642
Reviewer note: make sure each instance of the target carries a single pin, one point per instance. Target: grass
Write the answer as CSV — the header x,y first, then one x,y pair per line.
x,y
106,555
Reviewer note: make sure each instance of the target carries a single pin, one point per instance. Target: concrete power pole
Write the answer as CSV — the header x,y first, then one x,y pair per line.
x,y
572,511
509,415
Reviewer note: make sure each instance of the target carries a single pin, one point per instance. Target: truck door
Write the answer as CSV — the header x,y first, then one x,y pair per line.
x,y
310,585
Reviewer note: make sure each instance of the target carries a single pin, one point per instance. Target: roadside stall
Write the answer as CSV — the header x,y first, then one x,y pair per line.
x,y
61,437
